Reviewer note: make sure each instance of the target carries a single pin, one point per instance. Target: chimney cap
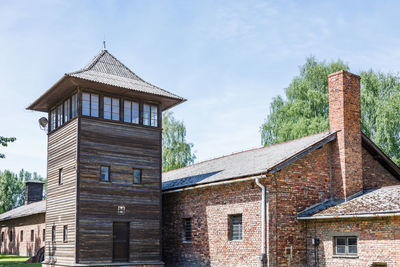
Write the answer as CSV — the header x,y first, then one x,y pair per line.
x,y
342,72
34,182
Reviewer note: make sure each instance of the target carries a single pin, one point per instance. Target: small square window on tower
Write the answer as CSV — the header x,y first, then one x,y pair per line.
x,y
105,173
137,176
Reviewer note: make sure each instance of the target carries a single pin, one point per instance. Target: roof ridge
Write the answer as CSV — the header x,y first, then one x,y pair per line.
x,y
128,69
248,150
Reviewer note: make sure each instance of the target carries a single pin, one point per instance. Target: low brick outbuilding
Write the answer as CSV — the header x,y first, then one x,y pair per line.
x,y
264,206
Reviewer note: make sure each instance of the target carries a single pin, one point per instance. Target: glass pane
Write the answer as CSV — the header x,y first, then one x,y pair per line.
x,y
66,110
341,241
340,249
53,120
74,110
146,114
353,249
104,173
86,104
94,105
135,112
136,176
154,116
107,108
115,109
352,241
127,111
60,115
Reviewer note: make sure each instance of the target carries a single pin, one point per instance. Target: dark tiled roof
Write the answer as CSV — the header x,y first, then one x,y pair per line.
x,y
106,69
377,202
247,163
25,210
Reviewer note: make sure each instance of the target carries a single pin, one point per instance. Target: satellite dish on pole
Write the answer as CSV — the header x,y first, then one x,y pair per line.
x,y
43,123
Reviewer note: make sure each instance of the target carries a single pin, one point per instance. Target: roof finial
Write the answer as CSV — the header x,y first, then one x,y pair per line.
x,y
104,45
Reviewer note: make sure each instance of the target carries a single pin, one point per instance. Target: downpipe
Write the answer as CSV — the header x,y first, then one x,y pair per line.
x,y
264,217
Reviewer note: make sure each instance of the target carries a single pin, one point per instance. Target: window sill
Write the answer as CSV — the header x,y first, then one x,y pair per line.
x,y
345,256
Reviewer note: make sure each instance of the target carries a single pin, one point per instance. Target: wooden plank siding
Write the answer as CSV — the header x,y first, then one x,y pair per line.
x,y
61,199
122,147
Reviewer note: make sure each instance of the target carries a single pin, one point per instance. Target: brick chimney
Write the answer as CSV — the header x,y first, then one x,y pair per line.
x,y
33,191
345,117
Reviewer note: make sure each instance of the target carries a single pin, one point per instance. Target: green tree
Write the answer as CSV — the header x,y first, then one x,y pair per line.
x,y
12,188
305,110
4,142
176,152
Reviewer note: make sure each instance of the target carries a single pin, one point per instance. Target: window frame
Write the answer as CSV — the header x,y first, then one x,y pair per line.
x,y
346,245
53,233
44,234
133,175
32,235
151,106
187,230
108,173
112,98
131,102
231,223
11,236
91,104
65,234
60,176
21,236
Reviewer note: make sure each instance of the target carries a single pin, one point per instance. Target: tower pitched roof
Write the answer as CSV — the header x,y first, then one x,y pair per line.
x,y
105,70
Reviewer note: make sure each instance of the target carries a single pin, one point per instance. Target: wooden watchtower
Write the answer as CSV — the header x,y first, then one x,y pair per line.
x,y
104,166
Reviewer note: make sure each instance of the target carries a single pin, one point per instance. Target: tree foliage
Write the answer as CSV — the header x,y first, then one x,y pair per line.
x,y
4,142
177,153
305,110
12,188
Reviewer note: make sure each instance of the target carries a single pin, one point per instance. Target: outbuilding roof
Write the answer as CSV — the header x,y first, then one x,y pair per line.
x,y
247,163
25,210
384,201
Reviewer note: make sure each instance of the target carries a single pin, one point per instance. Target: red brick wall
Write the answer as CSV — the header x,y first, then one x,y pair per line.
x,y
301,184
345,117
25,224
374,174
378,241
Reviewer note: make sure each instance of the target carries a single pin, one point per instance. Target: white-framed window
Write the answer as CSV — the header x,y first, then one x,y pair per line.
x,y
90,104
111,108
74,105
131,112
59,115
150,115
235,227
53,119
67,110
345,245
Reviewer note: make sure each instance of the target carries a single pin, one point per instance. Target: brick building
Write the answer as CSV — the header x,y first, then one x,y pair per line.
x,y
22,229
329,199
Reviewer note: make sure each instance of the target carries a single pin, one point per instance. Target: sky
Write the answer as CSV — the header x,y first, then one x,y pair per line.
x,y
228,58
